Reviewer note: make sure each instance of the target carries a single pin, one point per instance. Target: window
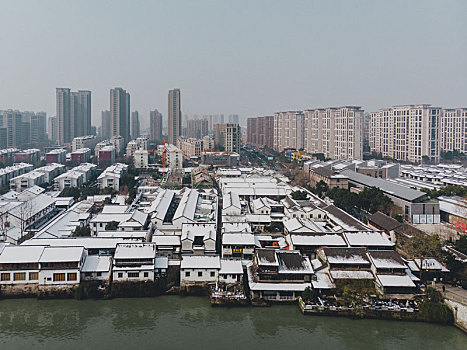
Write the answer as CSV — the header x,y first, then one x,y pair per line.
x,y
71,276
59,277
99,274
19,276
120,275
187,274
213,273
146,274
200,273
133,274
33,276
5,276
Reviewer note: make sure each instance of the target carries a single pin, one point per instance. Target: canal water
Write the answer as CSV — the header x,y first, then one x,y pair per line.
x,y
173,322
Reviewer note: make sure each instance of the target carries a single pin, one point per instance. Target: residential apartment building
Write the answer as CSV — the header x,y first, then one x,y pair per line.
x,y
454,130
260,131
228,136
134,125
106,122
407,133
197,128
155,124
288,130
335,132
120,113
73,114
175,116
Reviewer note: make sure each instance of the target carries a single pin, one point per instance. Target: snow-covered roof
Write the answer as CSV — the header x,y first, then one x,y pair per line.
x,y
238,239
318,240
187,205
96,263
114,209
367,239
395,281
190,231
166,240
354,275
135,251
200,262
350,256
386,259
292,262
228,227
322,281
61,254
299,225
231,267
20,254
161,262
267,257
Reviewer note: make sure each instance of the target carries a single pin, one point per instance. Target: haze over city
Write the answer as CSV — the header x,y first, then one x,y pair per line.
x,y
242,57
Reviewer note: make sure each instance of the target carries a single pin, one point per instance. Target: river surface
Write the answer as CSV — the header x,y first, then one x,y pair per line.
x,y
173,322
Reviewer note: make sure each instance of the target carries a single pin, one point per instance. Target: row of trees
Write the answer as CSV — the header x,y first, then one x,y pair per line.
x,y
451,190
369,200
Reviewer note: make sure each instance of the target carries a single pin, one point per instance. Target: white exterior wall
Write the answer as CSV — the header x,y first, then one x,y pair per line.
x,y
229,278
120,270
12,282
205,277
46,277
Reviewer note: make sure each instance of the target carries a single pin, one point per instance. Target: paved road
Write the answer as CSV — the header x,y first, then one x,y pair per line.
x,y
455,293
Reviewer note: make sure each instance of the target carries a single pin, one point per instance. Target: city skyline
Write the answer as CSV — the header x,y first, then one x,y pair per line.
x,y
328,67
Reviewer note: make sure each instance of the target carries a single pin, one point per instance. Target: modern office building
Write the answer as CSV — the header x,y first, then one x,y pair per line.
x,y
120,113
155,124
407,133
175,116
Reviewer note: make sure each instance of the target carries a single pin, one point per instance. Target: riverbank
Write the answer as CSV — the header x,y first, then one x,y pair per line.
x,y
173,322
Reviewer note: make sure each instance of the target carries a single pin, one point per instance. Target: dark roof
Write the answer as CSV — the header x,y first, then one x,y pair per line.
x,y
389,188
267,254
386,254
323,171
346,218
383,221
407,230
292,260
346,252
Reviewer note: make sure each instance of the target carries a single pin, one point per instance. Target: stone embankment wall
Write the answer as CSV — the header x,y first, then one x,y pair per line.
x,y
460,313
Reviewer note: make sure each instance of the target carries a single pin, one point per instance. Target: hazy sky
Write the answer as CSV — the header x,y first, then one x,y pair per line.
x,y
247,57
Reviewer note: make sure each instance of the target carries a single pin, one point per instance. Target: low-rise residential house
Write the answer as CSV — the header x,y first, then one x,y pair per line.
x,y
161,266
231,271
61,266
110,177
134,262
427,269
390,273
198,239
126,221
238,245
96,268
19,268
309,243
167,245
347,264
199,270
331,178
22,182
279,274
373,240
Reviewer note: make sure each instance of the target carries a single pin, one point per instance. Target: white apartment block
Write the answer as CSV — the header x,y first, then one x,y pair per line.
x,y
288,130
335,132
190,147
141,159
454,130
88,141
407,132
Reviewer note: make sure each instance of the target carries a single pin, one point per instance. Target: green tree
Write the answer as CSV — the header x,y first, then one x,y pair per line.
x,y
321,188
111,226
422,246
82,231
299,195
461,244
70,192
